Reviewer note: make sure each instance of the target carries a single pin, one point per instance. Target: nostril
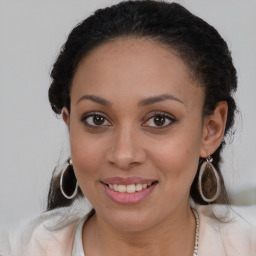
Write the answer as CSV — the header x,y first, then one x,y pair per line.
x,y
126,153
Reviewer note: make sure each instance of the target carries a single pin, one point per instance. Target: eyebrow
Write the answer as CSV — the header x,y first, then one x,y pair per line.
x,y
96,99
155,99
144,102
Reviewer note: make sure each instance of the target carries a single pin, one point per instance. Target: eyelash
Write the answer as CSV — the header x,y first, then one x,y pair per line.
x,y
161,115
164,115
85,118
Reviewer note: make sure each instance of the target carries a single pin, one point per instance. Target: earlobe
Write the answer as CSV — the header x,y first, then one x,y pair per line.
x,y
213,130
65,115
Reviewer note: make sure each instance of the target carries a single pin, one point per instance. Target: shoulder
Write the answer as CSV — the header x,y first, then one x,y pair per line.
x,y
227,230
50,234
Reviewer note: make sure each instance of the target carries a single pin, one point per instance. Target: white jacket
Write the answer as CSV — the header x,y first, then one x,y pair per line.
x,y
52,233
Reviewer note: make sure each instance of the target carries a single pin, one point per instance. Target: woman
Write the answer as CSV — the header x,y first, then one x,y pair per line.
x,y
145,89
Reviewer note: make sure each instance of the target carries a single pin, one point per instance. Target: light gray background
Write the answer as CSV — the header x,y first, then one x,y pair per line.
x,y
33,141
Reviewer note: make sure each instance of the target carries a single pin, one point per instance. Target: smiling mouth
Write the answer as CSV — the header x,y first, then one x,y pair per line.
x,y
131,188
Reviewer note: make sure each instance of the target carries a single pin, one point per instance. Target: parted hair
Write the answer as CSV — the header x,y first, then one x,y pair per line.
x,y
201,47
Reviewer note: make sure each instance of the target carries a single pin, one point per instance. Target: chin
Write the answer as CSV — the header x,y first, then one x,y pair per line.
x,y
129,220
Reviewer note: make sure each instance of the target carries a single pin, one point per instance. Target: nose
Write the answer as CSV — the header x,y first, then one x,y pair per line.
x,y
126,149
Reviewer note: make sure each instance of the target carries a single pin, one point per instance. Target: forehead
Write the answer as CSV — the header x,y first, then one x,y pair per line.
x,y
133,66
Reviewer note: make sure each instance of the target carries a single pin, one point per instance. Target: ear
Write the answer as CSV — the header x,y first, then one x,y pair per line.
x,y
65,116
213,129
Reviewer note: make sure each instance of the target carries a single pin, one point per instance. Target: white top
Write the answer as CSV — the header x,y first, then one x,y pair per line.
x,y
59,233
78,249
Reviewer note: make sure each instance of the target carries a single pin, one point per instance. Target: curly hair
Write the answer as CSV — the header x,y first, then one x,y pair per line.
x,y
200,46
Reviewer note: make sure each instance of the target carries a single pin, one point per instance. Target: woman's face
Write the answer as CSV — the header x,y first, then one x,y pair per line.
x,y
136,132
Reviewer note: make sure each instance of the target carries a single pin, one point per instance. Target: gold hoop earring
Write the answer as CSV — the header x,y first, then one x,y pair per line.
x,y
209,181
69,169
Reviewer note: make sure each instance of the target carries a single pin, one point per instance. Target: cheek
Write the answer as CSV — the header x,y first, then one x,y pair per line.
x,y
86,161
86,155
87,151
178,157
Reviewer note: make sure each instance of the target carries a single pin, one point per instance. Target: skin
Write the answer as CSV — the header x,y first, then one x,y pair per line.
x,y
129,143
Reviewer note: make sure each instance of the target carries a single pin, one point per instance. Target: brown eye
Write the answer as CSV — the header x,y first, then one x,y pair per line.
x,y
98,120
159,120
95,120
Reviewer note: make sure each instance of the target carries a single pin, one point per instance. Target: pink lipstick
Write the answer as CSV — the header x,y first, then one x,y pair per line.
x,y
129,190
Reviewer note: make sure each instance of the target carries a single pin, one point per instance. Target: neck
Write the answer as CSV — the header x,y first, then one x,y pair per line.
x,y
165,238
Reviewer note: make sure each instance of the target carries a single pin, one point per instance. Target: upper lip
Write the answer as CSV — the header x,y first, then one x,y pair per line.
x,y
127,180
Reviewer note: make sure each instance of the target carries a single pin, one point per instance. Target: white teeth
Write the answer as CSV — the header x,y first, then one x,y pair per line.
x,y
138,187
121,188
132,188
144,185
